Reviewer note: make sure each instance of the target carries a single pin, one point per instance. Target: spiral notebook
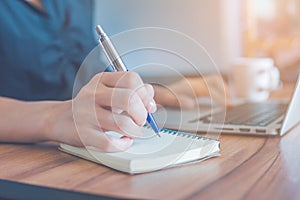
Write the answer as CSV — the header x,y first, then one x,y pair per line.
x,y
151,152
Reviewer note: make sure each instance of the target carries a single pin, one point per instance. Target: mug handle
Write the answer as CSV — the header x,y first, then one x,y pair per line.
x,y
273,79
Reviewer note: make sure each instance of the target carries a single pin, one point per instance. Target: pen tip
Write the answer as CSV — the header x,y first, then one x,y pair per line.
x,y
157,132
99,30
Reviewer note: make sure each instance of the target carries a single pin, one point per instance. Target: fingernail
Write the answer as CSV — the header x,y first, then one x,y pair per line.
x,y
125,143
116,110
126,137
152,106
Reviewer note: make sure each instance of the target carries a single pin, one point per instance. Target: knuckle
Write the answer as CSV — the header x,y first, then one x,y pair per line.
x,y
133,75
133,100
98,76
100,86
95,83
133,79
149,88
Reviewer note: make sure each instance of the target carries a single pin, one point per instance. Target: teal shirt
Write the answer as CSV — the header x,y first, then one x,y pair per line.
x,y
41,51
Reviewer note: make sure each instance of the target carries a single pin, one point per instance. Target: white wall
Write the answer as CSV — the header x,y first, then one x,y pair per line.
x,y
215,24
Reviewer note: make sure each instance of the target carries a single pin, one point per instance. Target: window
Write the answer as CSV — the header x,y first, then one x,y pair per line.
x,y
271,28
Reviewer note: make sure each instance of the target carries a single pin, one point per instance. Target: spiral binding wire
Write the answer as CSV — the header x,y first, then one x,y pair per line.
x,y
182,134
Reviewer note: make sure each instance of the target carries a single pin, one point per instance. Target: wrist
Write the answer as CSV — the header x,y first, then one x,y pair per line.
x,y
54,113
160,93
202,89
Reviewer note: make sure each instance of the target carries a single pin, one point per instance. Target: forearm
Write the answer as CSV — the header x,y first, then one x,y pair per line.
x,y
84,120
182,93
24,121
185,92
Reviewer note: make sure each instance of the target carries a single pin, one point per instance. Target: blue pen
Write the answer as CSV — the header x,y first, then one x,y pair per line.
x,y
118,65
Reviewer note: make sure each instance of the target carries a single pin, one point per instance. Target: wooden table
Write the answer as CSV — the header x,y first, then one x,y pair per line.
x,y
249,168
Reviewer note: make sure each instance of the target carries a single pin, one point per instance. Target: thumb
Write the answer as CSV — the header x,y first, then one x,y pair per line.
x,y
106,143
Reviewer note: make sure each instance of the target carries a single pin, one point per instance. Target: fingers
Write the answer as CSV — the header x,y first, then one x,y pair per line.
x,y
95,139
184,92
145,93
109,121
100,106
132,81
98,141
123,99
218,89
150,103
121,79
180,101
166,97
125,91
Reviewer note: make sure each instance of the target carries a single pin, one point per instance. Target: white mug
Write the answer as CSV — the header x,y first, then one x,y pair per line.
x,y
254,78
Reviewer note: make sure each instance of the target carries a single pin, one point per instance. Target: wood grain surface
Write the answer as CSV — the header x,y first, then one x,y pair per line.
x,y
249,168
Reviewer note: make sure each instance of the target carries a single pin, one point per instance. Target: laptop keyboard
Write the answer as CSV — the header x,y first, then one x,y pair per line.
x,y
251,114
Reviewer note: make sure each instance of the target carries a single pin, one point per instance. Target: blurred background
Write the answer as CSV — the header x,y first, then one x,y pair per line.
x,y
226,28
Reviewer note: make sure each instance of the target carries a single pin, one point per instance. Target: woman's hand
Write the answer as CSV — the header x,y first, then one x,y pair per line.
x,y
185,92
116,101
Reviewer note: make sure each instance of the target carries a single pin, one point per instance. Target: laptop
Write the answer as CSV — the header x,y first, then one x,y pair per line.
x,y
263,118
